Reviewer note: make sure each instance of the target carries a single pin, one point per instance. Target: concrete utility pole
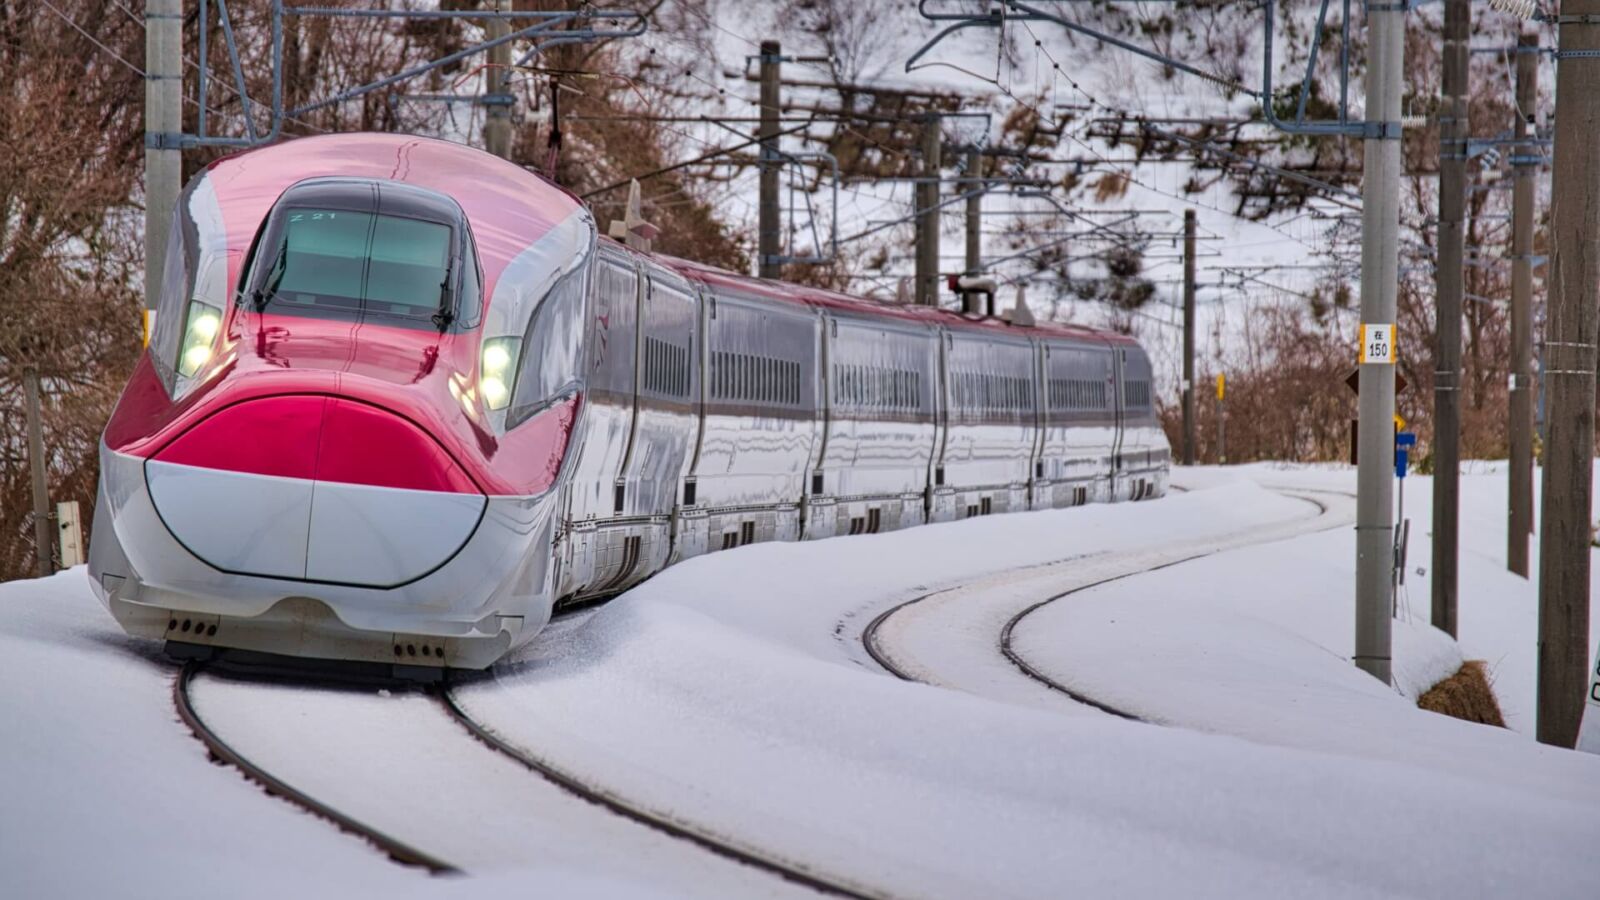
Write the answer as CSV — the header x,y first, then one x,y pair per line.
x,y
974,224
1569,369
1380,226
1188,338
769,229
926,197
1449,278
163,121
974,212
496,97
1524,169
44,544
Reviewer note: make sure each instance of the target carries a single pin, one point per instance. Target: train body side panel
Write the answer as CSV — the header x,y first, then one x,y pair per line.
x,y
760,425
1142,454
881,384
1080,424
990,382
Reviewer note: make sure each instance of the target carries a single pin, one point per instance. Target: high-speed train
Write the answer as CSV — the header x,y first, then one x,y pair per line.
x,y
402,399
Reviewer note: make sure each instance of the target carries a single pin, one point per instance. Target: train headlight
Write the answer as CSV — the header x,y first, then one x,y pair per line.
x,y
201,325
497,370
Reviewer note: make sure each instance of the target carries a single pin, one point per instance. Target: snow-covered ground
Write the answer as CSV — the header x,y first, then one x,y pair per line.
x,y
733,694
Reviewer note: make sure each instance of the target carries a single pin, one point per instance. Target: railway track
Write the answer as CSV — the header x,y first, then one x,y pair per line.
x,y
876,648
220,750
1028,670
559,781
794,872
671,826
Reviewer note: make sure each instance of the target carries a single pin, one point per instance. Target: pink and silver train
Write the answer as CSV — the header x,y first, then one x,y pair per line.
x,y
402,400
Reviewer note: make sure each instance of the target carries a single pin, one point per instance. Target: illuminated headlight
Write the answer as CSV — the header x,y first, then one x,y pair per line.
x,y
199,336
498,370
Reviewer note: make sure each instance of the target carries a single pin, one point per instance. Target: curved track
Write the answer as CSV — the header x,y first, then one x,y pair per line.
x,y
789,871
1030,671
871,640
220,750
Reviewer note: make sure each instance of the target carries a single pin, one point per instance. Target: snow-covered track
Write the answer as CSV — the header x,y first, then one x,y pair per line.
x,y
797,873
1028,670
1114,566
220,750
1032,672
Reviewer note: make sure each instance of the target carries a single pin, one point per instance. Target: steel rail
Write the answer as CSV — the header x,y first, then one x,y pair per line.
x,y
794,872
1027,669
869,635
220,750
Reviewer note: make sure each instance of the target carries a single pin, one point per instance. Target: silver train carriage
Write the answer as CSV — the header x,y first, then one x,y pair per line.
x,y
723,410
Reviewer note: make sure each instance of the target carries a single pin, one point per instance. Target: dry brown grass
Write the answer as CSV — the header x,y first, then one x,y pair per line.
x,y
1465,695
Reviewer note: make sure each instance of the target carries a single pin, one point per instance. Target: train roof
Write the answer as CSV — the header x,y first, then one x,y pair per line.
x,y
510,207
786,292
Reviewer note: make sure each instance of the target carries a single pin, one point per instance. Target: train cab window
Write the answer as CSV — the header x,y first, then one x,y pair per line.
x,y
175,280
362,249
398,266
548,368
194,289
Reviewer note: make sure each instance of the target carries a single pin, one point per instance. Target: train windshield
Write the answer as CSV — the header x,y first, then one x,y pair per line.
x,y
339,259
375,251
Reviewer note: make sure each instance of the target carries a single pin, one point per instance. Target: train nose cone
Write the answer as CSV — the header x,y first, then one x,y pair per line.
x,y
314,488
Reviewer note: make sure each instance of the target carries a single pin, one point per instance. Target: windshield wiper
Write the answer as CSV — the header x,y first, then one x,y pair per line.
x,y
446,313
280,266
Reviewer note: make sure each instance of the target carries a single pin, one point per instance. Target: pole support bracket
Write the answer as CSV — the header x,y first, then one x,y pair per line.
x,y
165,140
1390,130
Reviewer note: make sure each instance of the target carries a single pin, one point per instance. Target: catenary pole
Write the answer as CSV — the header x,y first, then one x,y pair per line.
x,y
44,542
974,256
1188,338
1448,275
1565,533
1524,169
927,222
974,223
1380,207
769,229
163,163
497,121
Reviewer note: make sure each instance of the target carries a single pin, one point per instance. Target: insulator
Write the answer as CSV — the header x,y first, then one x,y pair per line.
x,y
1522,9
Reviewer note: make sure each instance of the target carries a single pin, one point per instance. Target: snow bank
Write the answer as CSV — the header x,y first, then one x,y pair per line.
x,y
726,693
1498,612
1257,643
733,694
107,794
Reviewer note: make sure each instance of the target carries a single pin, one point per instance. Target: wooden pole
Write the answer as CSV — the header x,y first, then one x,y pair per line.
x,y
1569,369
1524,170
